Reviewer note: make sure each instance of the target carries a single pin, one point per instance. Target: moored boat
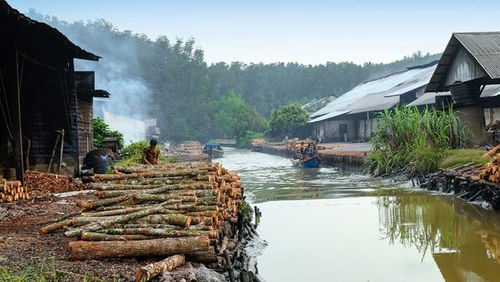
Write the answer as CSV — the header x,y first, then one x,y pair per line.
x,y
214,150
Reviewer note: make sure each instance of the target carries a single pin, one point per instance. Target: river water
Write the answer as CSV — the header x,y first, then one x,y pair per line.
x,y
331,225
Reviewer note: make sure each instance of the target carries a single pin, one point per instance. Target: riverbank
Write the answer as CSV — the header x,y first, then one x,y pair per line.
x,y
343,155
464,182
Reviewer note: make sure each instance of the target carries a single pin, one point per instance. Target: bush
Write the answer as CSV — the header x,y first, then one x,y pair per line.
x,y
412,142
101,130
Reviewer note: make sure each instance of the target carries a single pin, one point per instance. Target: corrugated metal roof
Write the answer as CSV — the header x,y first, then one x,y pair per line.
x,y
428,98
328,116
371,95
484,47
418,81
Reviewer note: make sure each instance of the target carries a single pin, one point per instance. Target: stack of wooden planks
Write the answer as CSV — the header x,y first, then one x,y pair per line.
x,y
491,170
168,209
11,191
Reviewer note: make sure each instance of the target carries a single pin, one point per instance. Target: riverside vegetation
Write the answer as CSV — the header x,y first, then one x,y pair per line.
x,y
411,142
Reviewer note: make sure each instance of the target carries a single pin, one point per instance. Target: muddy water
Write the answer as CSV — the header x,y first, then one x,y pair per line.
x,y
331,225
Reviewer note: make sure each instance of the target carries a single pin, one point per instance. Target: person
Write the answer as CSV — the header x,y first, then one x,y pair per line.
x,y
151,155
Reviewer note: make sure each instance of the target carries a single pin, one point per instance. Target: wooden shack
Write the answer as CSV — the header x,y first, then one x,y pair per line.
x,y
39,98
469,63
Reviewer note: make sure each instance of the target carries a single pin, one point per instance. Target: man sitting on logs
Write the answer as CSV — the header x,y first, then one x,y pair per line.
x,y
151,155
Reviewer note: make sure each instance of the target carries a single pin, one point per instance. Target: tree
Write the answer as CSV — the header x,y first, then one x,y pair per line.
x,y
101,130
287,119
234,118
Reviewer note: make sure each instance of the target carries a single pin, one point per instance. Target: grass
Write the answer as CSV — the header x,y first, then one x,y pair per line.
x,y
44,272
410,142
458,157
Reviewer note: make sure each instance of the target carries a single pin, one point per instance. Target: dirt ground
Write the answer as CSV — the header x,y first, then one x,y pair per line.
x,y
21,246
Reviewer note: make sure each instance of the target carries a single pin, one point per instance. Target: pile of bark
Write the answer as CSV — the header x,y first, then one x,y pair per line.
x,y
11,191
491,170
43,183
188,209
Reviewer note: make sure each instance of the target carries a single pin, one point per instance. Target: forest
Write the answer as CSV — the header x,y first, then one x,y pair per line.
x,y
169,79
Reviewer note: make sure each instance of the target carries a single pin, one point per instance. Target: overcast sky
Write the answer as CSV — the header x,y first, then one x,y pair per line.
x,y
310,32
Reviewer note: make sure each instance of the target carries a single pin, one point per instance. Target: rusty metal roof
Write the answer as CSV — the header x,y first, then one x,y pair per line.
x,y
37,35
484,47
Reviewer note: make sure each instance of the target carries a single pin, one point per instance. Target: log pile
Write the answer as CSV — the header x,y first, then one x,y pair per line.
x,y
143,211
11,191
491,170
190,151
43,183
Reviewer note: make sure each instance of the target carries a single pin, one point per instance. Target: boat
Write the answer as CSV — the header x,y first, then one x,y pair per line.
x,y
312,162
214,150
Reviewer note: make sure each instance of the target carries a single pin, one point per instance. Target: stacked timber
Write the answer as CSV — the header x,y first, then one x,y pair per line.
x,y
191,151
11,191
144,211
491,170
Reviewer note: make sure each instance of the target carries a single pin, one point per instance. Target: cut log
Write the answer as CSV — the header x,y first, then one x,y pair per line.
x,y
94,236
159,232
152,270
55,226
109,222
174,219
82,250
104,202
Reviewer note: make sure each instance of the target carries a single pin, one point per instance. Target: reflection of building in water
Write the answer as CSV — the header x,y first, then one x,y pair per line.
x,y
459,236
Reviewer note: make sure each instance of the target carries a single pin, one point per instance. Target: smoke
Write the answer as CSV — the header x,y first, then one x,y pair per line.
x,y
116,72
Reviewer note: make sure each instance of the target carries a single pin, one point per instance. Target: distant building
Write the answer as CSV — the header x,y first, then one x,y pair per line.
x,y
353,116
41,95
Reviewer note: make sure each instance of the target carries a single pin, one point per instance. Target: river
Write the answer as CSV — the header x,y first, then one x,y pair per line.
x,y
331,225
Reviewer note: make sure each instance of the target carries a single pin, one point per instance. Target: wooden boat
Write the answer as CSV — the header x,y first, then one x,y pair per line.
x,y
312,162
214,150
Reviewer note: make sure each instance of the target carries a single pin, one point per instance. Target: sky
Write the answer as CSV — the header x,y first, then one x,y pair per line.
x,y
308,32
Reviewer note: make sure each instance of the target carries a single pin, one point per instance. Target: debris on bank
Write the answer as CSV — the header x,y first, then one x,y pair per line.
x,y
181,212
469,182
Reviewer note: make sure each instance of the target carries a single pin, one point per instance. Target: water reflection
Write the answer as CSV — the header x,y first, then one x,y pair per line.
x,y
356,228
463,239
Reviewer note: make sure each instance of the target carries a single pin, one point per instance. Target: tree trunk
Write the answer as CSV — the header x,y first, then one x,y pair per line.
x,y
174,219
202,257
94,236
158,232
152,270
142,248
55,226
101,203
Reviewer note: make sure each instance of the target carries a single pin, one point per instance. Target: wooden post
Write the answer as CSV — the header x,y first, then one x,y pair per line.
x,y
19,155
61,151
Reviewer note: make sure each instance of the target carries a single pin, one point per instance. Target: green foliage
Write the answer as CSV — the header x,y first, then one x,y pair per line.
x,y
234,118
458,157
133,153
246,140
411,142
101,130
185,89
288,118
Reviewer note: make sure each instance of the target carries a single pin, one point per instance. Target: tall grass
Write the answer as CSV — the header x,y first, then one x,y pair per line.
x,y
409,141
